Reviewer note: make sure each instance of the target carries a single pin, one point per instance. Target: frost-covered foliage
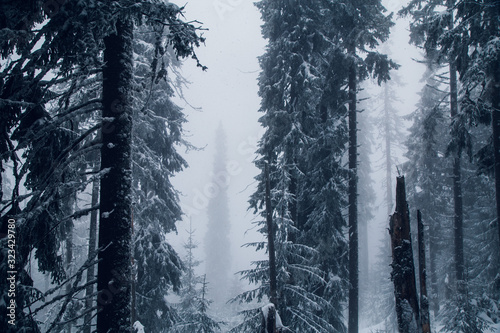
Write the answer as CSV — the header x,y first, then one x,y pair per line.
x,y
194,305
459,33
50,89
303,86
304,140
429,187
157,132
466,314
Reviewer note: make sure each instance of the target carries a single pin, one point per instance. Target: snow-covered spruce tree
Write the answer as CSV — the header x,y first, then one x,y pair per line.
x,y
303,98
389,133
360,27
427,169
302,121
156,132
42,115
72,38
115,227
427,172
194,305
367,197
471,44
217,242
437,21
474,42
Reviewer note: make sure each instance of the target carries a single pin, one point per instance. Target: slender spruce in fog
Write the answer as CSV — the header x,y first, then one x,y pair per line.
x,y
217,240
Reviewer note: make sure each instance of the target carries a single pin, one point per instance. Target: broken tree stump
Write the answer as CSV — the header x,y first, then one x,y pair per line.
x,y
403,268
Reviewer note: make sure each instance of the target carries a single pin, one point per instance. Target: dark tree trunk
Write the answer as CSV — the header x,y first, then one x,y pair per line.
x,y
433,249
424,301
495,123
92,247
115,234
457,181
353,204
403,268
69,261
457,189
273,290
388,153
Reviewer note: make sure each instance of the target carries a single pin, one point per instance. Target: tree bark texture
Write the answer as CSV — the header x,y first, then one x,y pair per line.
x,y
403,268
92,247
388,153
495,122
115,228
424,300
273,289
353,204
457,189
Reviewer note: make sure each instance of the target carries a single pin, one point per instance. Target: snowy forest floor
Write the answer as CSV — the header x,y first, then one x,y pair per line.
x,y
380,328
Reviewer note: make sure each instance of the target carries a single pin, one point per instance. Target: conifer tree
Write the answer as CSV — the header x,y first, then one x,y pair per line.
x,y
303,100
426,173
157,130
217,242
361,25
302,122
42,90
194,305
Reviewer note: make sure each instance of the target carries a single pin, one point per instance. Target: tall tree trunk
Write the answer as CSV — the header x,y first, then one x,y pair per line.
x,y
424,300
273,290
457,188
403,268
457,181
388,153
353,204
115,234
495,123
92,247
69,261
433,248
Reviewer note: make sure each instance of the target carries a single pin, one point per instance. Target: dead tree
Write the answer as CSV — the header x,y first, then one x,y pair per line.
x,y
403,268
424,301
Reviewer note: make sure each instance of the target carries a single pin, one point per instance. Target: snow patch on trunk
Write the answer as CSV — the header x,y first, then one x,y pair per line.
x,y
138,327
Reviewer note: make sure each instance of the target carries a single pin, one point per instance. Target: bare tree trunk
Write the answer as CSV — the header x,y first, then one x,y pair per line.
x,y
273,290
495,124
433,264
92,247
115,234
388,153
353,201
403,268
457,190
424,301
69,261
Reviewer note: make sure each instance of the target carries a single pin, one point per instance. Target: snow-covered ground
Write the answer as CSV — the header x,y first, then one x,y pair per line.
x,y
380,328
